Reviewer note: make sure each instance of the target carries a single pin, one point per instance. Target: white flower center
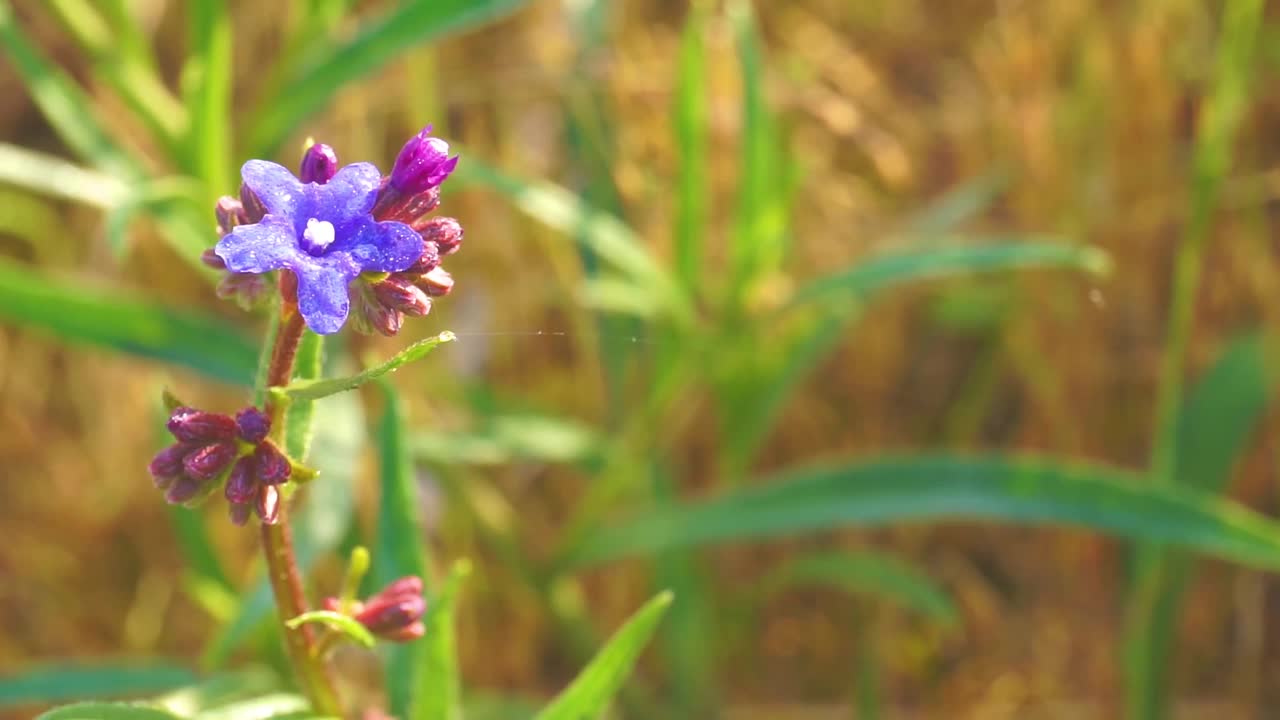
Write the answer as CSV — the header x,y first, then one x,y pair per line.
x,y
318,235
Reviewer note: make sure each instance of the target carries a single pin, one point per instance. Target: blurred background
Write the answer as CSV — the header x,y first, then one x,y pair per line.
x,y
708,245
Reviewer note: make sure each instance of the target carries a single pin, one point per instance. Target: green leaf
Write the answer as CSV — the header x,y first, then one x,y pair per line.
x,y
78,312
316,389
400,546
894,490
344,624
219,691
510,438
437,684
106,711
961,203
206,84
377,43
606,235
868,573
897,268
691,143
1213,429
590,692
68,110
74,682
300,414
277,706
59,178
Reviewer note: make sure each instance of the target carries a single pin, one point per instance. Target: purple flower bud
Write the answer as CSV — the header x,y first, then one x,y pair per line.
x,y
273,466
436,283
182,490
211,259
408,633
205,463
443,232
382,615
191,425
374,316
407,585
167,464
400,294
319,163
253,208
267,505
239,514
419,205
241,484
423,163
230,214
245,289
253,425
428,261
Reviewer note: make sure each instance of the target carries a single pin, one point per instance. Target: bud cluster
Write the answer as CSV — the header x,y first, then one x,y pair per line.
x,y
213,450
394,613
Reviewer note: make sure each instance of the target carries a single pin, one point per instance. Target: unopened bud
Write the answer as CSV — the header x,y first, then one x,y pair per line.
x,y
417,207
254,210
230,214
267,505
387,615
183,490
436,283
400,294
253,425
207,462
247,290
273,466
167,464
211,259
429,260
191,425
423,163
319,163
443,232
239,514
240,484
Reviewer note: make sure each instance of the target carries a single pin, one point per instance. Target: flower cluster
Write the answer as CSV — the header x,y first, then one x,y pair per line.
x,y
342,232
395,613
217,451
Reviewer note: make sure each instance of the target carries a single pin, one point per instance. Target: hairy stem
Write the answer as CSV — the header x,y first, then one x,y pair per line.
x,y
277,541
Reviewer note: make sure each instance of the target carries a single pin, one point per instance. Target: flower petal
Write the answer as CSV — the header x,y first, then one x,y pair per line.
x,y
322,295
280,192
379,246
261,247
349,195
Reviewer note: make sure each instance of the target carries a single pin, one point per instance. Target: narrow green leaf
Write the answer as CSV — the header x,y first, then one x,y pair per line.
x,y
884,490
206,83
64,105
510,438
759,245
940,217
1214,427
606,235
590,692
77,312
344,624
300,414
437,687
152,197
400,546
276,706
58,178
994,254
75,682
316,389
377,43
691,144
106,711
219,691
867,573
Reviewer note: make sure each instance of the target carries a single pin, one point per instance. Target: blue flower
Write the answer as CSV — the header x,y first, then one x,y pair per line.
x,y
323,233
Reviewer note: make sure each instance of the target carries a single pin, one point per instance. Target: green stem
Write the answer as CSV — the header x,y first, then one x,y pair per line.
x,y
277,540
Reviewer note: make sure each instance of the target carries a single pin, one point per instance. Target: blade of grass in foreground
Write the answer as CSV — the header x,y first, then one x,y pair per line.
x,y
106,711
77,312
75,682
206,83
589,694
884,490
868,573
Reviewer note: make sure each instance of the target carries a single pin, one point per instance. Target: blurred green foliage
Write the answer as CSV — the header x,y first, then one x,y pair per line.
x,y
703,318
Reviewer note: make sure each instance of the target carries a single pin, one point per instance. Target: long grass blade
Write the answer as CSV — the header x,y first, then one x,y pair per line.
x,y
75,682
